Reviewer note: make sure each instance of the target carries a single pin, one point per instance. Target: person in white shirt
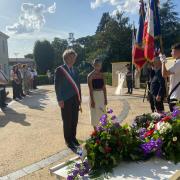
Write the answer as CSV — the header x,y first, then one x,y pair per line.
x,y
174,73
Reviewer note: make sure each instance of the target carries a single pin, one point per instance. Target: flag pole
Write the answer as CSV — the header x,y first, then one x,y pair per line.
x,y
133,36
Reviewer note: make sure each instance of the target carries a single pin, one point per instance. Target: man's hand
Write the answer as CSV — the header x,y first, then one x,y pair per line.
x,y
158,98
163,58
92,104
61,104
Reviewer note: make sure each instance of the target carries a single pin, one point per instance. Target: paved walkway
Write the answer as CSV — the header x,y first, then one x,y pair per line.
x,y
31,130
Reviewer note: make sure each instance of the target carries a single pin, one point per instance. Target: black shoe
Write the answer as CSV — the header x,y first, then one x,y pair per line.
x,y
72,147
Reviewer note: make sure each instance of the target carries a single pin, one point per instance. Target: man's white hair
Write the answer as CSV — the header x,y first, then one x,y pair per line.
x,y
67,52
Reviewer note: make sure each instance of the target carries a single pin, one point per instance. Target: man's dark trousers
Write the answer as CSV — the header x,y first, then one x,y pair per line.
x,y
70,114
129,86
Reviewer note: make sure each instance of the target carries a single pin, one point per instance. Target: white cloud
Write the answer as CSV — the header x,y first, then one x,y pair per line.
x,y
31,18
129,6
98,3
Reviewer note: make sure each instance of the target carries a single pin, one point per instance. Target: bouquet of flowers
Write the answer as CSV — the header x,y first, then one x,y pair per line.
x,y
160,136
110,143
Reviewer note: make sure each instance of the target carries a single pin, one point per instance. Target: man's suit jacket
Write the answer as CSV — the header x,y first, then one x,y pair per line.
x,y
157,86
64,89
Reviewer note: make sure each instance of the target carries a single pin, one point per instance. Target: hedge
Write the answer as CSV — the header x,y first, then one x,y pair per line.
x,y
108,78
43,79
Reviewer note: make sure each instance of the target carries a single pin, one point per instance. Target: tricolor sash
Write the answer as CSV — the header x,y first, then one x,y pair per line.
x,y
71,81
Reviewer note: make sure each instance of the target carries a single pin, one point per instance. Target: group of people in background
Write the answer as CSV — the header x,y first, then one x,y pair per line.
x,y
24,79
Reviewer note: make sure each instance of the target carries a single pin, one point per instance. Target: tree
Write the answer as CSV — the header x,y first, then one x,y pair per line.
x,y
30,56
103,22
59,46
44,56
170,26
115,40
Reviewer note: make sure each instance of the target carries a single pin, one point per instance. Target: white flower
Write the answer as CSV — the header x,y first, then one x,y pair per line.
x,y
151,126
163,127
155,115
174,138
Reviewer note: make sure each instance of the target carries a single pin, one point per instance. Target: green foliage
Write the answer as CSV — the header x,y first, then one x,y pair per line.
x,y
44,56
42,80
108,78
171,145
111,43
59,46
170,26
30,56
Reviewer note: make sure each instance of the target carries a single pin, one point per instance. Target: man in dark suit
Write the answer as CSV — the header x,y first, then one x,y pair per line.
x,y
68,92
157,86
129,79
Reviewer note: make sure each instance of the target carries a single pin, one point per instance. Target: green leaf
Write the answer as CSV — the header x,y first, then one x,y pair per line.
x,y
114,160
101,149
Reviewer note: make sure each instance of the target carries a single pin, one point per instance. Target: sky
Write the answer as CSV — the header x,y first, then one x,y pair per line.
x,y
26,21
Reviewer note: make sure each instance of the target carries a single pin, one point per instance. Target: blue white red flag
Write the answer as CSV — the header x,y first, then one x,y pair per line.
x,y
138,49
151,30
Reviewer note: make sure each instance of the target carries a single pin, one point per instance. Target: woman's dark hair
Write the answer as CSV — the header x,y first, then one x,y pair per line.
x,y
176,46
14,68
97,61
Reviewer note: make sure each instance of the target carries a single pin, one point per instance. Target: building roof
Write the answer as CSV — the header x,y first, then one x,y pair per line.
x,y
19,60
4,35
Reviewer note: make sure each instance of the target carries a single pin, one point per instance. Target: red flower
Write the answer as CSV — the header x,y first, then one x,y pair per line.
x,y
98,141
167,118
94,133
147,124
108,149
149,133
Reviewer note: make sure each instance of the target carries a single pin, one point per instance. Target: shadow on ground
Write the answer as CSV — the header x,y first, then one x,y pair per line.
x,y
35,99
10,115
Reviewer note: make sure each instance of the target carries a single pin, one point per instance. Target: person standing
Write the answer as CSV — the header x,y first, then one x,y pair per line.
x,y
68,92
97,90
48,73
15,83
157,86
35,78
174,74
3,83
20,77
129,79
25,81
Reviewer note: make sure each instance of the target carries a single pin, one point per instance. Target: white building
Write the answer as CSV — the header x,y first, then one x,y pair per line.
x,y
4,59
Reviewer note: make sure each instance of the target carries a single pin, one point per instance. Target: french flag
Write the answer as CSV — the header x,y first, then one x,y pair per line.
x,y
148,34
138,49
